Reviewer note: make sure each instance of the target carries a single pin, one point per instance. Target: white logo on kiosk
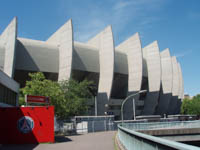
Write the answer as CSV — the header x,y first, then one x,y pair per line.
x,y
25,124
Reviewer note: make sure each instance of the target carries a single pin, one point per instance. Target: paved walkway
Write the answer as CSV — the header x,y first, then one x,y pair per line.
x,y
91,141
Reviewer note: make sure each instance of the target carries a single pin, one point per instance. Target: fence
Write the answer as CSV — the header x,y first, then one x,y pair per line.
x,y
86,124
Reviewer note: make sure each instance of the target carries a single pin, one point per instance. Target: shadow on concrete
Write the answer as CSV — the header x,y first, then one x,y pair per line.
x,y
102,100
18,147
61,139
150,103
163,102
15,129
172,105
193,143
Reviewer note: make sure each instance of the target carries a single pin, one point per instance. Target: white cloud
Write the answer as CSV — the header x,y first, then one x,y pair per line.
x,y
185,53
122,4
87,31
91,18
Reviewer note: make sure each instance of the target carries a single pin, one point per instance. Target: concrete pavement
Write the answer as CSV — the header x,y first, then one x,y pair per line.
x,y
91,141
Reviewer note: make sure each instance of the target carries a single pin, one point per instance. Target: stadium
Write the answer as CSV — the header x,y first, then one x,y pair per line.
x,y
117,71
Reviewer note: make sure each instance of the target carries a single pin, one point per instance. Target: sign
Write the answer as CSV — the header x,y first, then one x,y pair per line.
x,y
25,124
36,99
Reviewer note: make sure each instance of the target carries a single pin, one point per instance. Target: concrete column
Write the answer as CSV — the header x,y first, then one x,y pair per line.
x,y
180,82
132,48
166,82
175,87
8,38
152,56
180,97
63,38
105,43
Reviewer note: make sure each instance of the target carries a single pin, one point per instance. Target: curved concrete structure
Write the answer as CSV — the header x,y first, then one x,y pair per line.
x,y
116,73
2,55
82,61
36,55
180,95
133,49
8,38
166,82
151,55
63,38
175,87
105,43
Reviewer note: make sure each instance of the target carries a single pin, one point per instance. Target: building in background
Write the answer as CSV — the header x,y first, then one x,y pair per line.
x,y
9,90
117,71
187,96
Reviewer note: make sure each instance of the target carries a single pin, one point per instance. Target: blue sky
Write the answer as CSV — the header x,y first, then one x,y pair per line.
x,y
174,23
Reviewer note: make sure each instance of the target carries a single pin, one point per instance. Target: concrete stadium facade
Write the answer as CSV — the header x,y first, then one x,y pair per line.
x,y
116,71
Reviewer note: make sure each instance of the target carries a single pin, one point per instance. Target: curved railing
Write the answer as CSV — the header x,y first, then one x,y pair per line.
x,y
162,125
133,140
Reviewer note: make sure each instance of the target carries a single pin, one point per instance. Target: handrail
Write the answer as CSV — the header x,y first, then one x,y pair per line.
x,y
158,125
159,141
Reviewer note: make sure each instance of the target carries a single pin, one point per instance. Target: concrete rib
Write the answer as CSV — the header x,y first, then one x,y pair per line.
x,y
63,38
105,43
152,56
8,37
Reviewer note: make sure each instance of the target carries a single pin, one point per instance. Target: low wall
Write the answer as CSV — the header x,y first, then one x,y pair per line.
x,y
131,139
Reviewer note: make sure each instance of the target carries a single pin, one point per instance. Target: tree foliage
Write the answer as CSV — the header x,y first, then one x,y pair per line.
x,y
68,97
191,106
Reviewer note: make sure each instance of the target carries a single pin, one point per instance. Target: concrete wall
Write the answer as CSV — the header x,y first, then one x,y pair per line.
x,y
121,62
33,55
180,95
152,56
166,82
104,42
2,55
81,61
8,82
63,38
8,38
175,87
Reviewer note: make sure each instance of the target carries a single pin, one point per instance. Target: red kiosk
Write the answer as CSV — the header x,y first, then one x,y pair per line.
x,y
27,125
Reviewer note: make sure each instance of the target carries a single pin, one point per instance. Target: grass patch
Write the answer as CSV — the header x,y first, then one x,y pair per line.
x,y
115,144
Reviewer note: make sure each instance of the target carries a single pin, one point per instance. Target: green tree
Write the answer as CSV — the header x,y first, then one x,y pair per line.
x,y
68,97
76,96
191,106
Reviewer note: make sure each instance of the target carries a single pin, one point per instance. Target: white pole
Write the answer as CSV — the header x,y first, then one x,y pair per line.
x,y
134,109
122,116
26,100
95,99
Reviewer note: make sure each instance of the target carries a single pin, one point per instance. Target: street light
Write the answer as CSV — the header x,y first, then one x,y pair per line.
x,y
143,91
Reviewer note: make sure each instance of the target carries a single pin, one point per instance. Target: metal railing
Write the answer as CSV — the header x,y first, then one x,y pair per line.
x,y
133,140
163,125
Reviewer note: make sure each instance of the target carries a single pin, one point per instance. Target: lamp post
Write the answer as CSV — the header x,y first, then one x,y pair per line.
x,y
143,91
134,108
95,102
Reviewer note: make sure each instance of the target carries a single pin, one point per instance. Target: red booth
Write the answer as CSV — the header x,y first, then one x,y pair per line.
x,y
26,125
